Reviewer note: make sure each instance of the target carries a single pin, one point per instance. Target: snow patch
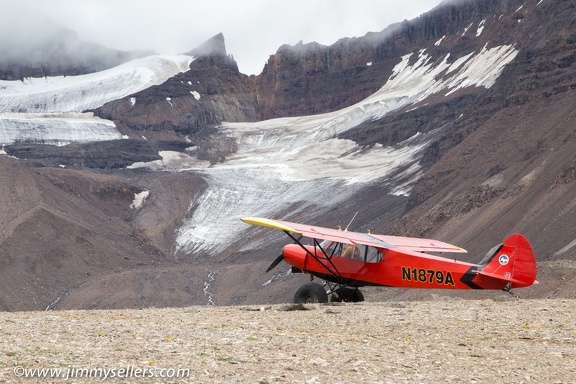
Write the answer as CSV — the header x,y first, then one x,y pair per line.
x,y
400,192
172,161
139,199
4,153
466,29
484,69
480,28
195,94
566,248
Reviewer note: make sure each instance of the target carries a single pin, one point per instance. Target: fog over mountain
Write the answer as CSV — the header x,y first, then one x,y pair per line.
x,y
254,29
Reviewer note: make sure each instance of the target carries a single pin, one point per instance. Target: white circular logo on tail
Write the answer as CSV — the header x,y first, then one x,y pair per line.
x,y
503,259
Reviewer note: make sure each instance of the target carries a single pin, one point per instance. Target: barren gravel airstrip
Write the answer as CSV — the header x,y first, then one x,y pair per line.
x,y
447,340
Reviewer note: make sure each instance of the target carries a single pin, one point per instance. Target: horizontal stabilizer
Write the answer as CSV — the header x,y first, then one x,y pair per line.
x,y
503,279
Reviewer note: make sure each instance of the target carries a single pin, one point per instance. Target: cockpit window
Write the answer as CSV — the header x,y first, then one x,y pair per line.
x,y
372,255
352,251
331,248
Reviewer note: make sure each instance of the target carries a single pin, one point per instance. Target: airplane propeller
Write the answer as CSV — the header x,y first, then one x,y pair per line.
x,y
275,262
281,257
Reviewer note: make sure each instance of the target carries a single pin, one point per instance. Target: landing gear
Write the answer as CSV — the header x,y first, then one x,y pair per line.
x,y
507,289
347,295
316,293
310,293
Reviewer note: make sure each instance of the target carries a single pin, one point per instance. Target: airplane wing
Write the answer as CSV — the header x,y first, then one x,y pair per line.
x,y
348,237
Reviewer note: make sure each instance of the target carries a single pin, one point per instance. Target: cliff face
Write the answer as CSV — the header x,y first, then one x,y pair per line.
x,y
308,79
311,78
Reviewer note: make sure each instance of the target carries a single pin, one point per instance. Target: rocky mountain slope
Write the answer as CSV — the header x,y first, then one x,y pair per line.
x,y
474,101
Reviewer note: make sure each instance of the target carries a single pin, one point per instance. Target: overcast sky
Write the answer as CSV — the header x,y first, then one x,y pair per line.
x,y
253,29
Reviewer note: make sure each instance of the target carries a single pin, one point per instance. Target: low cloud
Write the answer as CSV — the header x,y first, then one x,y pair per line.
x,y
253,29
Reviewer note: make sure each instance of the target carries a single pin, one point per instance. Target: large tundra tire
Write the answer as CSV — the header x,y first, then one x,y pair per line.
x,y
310,293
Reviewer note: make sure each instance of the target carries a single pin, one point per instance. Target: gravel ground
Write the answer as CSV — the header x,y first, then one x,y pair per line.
x,y
467,341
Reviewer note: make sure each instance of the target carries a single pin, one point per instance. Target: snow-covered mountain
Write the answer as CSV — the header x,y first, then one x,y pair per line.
x,y
285,161
455,125
277,160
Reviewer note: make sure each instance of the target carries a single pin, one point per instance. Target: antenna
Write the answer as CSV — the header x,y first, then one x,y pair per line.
x,y
353,217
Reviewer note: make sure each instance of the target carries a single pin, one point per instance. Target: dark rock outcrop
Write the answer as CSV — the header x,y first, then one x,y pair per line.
x,y
211,91
99,154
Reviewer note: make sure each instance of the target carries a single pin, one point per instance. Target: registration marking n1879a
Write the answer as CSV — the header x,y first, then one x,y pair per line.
x,y
427,276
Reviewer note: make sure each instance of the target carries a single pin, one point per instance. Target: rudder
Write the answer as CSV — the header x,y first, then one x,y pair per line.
x,y
513,262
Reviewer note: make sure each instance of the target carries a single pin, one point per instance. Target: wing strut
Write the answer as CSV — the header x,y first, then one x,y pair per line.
x,y
332,271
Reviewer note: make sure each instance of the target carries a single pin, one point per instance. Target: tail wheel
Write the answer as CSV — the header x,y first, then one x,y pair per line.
x,y
347,295
310,293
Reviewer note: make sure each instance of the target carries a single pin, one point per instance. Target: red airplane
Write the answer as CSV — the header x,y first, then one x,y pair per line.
x,y
347,260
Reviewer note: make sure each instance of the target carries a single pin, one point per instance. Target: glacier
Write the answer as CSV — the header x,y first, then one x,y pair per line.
x,y
288,168
47,110
55,129
83,92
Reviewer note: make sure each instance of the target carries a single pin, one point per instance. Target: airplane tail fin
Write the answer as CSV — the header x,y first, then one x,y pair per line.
x,y
511,264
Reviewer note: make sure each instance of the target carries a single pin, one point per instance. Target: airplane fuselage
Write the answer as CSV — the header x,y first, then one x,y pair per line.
x,y
395,269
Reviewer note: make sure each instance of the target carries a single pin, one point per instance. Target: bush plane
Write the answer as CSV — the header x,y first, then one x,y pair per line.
x,y
347,260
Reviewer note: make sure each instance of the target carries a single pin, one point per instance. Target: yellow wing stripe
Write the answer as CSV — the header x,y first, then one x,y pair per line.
x,y
268,223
